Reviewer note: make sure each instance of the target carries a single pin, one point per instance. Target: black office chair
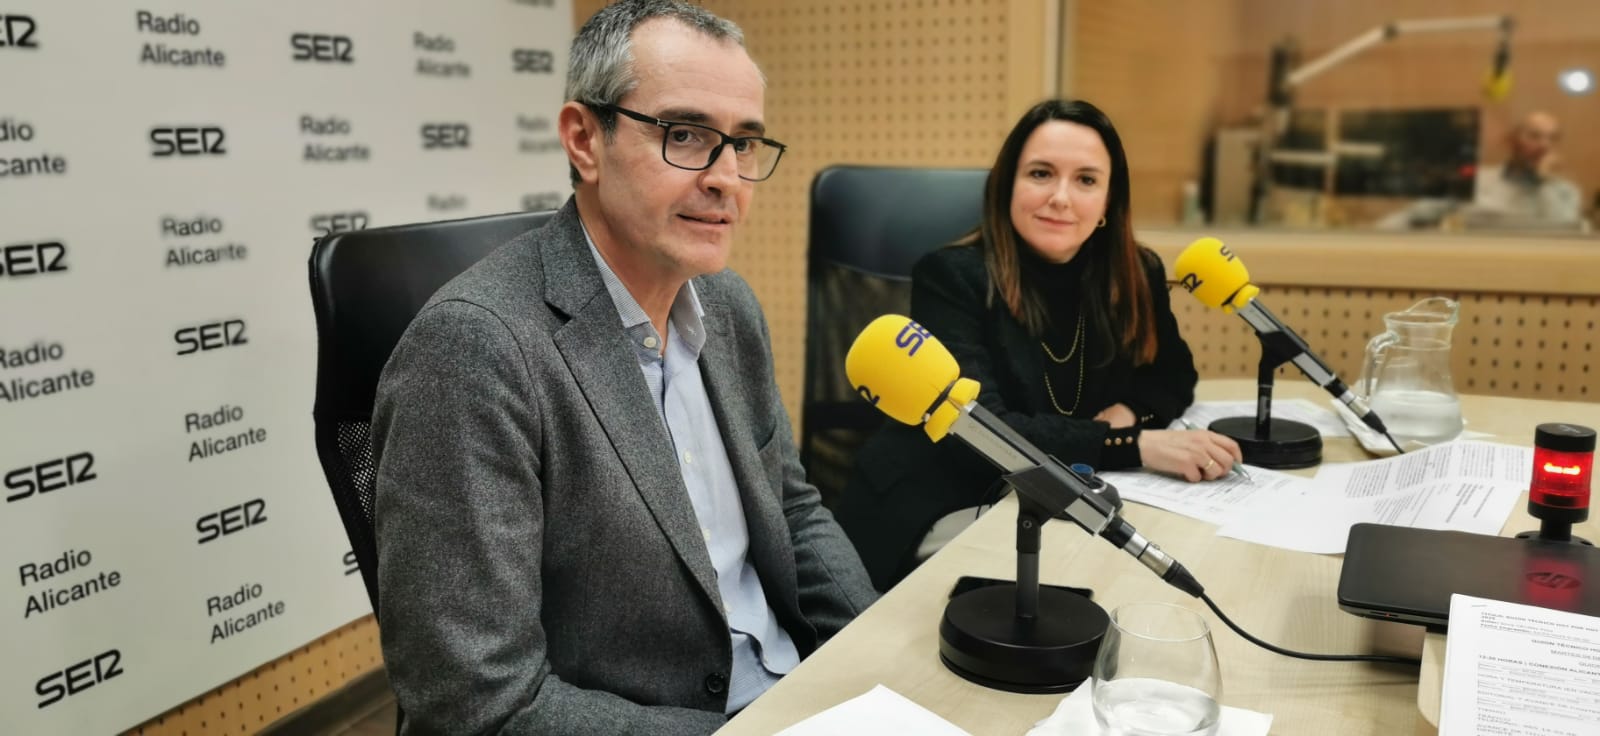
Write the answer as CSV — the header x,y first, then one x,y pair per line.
x,y
366,286
869,225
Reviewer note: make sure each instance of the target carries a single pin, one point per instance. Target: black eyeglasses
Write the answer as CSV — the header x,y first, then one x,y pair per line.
x,y
696,147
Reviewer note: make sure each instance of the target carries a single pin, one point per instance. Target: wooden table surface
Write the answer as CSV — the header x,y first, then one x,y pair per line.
x,y
1285,597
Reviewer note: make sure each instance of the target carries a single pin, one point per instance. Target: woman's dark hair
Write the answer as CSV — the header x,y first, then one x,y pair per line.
x,y
1116,292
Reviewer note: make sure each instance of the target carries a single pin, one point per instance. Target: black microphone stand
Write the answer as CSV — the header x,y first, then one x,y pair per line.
x,y
1020,637
1264,440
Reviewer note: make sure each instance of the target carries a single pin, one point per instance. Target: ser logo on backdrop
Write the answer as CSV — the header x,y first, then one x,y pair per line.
x,y
446,135
533,61
328,223
236,518
50,475
16,32
78,677
32,259
322,48
210,336
187,141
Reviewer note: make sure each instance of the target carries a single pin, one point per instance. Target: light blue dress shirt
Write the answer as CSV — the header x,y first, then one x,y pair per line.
x,y
762,650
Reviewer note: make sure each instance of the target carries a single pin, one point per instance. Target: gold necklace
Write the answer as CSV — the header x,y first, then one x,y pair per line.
x,y
1076,337
1082,369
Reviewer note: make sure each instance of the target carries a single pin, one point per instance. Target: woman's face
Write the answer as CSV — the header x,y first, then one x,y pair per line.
x,y
1059,195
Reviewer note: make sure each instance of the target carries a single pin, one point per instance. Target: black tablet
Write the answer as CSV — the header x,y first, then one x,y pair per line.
x,y
1403,574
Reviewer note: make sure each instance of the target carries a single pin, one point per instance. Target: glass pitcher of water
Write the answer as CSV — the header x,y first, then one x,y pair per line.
x,y
1406,378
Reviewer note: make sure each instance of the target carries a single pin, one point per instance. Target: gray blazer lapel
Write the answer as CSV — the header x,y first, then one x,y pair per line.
x,y
607,373
724,370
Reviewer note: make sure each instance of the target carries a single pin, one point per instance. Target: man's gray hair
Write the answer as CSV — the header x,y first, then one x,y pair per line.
x,y
600,70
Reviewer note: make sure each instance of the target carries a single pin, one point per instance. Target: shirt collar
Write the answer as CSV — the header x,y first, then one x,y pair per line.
x,y
685,317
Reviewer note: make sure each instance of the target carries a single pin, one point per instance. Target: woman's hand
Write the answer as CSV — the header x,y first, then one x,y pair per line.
x,y
1119,416
1194,454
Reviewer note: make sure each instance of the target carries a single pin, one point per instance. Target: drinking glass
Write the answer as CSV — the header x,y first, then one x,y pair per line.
x,y
1156,673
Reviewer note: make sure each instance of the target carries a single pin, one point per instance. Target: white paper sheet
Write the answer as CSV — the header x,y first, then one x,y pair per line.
x,y
875,712
1203,413
1520,670
1217,501
1075,717
1466,486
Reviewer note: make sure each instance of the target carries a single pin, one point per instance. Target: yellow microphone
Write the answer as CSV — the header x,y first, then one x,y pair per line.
x,y
1213,273
1497,83
908,374
899,367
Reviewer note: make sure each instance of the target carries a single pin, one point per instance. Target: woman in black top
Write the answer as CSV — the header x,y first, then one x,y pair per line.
x,y
1063,319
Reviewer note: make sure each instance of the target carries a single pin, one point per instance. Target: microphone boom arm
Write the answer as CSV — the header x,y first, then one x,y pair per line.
x,y
1045,485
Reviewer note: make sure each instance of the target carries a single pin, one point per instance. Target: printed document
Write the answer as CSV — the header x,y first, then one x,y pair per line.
x,y
1465,486
1519,670
1219,501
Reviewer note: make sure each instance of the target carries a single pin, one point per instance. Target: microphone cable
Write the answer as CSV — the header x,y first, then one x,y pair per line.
x,y
1382,658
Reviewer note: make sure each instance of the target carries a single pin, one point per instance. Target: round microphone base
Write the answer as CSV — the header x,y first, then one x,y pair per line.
x,y
982,640
1288,444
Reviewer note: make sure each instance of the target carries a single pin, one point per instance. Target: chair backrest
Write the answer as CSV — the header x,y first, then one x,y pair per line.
x,y
366,286
869,225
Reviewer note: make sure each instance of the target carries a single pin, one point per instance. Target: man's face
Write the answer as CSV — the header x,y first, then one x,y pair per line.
x,y
669,222
1534,138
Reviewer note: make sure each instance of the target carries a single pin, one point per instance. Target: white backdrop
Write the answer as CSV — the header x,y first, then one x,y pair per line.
x,y
164,167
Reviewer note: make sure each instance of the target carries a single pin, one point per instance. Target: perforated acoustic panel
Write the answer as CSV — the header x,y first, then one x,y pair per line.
x,y
276,688
1530,346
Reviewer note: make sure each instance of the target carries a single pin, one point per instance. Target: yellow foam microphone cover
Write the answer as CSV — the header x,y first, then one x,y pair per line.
x,y
1497,87
1214,275
964,392
898,367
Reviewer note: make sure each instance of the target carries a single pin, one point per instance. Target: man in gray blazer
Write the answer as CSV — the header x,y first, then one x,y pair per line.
x,y
590,514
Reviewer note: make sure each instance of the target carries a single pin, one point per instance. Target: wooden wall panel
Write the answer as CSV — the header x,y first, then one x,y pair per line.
x,y
1154,67
277,688
1523,345
1528,309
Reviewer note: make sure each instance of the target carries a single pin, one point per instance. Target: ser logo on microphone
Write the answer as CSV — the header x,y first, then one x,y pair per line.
x,y
911,337
1191,281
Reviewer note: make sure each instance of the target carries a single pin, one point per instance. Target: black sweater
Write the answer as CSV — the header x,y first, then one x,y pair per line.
x,y
903,483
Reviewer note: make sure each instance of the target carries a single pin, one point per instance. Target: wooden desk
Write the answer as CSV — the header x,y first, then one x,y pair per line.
x,y
1285,597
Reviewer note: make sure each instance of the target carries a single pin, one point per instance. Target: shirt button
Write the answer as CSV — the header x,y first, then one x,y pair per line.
x,y
716,683
704,532
688,458
650,342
